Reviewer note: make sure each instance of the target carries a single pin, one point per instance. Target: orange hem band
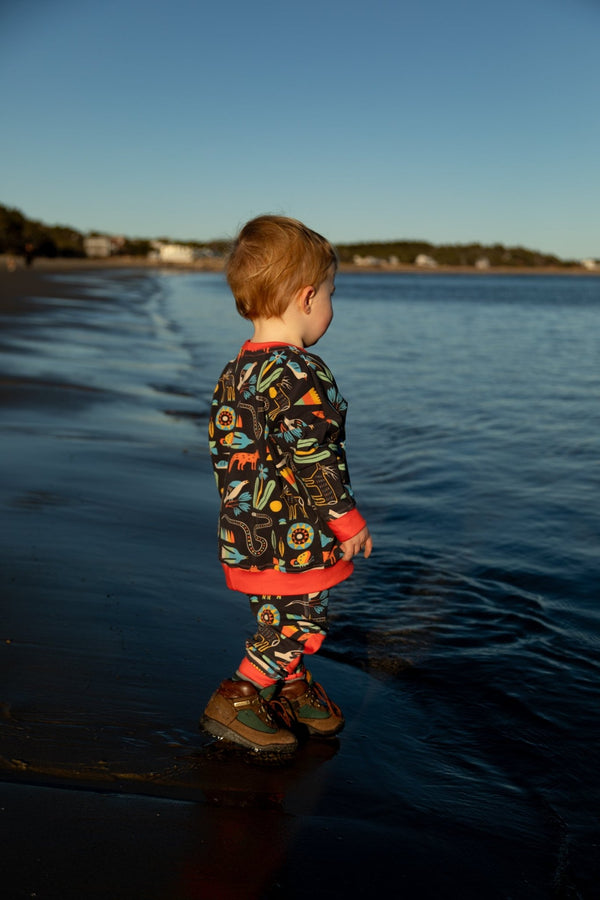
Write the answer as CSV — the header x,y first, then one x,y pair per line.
x,y
282,584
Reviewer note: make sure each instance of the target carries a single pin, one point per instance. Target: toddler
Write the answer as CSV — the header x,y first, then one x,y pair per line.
x,y
288,525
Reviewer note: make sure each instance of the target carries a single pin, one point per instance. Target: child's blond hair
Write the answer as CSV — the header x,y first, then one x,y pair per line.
x,y
273,257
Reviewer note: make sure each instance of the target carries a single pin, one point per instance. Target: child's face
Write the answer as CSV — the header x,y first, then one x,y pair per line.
x,y
321,312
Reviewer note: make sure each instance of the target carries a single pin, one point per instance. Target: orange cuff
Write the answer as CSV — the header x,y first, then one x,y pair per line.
x,y
347,525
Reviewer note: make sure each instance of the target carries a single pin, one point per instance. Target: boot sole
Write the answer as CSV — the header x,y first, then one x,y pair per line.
x,y
314,732
222,732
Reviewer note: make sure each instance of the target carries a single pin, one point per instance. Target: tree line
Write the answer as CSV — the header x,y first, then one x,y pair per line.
x,y
406,252
18,234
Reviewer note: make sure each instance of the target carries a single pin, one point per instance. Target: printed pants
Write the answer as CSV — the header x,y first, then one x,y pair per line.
x,y
288,627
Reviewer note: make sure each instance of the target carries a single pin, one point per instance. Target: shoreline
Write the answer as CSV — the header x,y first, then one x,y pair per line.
x,y
61,264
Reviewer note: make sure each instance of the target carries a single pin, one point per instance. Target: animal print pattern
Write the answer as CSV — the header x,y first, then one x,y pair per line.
x,y
276,437
287,628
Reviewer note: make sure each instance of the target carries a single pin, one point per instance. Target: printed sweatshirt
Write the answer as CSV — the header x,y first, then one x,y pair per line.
x,y
276,437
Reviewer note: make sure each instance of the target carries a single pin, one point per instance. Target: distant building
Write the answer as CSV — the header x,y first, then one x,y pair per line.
x,y
99,245
590,264
366,260
173,253
482,263
425,262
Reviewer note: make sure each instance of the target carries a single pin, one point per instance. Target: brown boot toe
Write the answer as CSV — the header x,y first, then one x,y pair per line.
x,y
238,712
311,708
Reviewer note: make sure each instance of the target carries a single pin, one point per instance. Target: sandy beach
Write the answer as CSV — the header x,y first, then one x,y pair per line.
x,y
113,634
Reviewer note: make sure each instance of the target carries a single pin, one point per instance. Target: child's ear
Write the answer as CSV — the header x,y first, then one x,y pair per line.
x,y
306,297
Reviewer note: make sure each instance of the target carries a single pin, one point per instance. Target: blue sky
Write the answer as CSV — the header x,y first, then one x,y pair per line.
x,y
450,122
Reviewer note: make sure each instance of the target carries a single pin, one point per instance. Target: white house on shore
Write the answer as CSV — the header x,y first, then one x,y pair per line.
x,y
99,246
179,254
359,260
425,261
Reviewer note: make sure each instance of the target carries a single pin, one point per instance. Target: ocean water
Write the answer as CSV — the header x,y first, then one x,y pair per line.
x,y
474,451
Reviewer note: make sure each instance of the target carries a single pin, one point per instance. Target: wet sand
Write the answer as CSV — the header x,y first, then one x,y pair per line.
x,y
116,627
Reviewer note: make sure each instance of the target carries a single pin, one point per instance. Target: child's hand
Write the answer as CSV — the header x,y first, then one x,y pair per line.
x,y
353,546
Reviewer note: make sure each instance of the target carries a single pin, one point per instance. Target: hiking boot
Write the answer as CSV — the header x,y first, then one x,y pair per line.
x,y
310,707
240,713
